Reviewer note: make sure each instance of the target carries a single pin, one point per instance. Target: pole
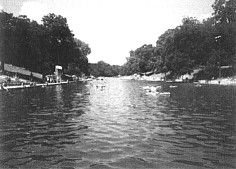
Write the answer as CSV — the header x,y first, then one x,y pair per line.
x,y
219,60
217,38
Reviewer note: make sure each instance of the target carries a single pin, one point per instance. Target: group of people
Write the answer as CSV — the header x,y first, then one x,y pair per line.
x,y
3,86
99,84
152,88
155,90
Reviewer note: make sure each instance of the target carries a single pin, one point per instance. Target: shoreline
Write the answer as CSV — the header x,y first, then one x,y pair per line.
x,y
159,78
24,84
222,81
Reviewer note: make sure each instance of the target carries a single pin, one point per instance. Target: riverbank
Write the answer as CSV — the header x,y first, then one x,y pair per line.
x,y
161,77
221,81
154,77
9,83
12,80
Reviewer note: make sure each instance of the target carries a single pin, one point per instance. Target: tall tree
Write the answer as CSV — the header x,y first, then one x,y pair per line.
x,y
60,37
225,22
40,47
7,39
224,11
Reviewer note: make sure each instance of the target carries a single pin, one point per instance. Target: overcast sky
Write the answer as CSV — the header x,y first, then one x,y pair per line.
x,y
112,28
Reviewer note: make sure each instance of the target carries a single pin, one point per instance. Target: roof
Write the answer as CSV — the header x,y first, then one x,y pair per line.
x,y
50,75
225,67
58,67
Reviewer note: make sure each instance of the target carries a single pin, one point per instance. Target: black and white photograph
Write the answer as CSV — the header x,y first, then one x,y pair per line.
x,y
117,84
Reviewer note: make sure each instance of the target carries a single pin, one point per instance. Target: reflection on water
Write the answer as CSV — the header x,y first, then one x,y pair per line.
x,y
118,127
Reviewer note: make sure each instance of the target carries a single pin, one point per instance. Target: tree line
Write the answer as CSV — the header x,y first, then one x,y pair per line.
x,y
102,68
39,47
208,45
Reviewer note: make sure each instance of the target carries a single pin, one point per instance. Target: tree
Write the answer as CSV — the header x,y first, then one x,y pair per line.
x,y
60,38
77,59
225,23
191,45
40,47
224,11
7,37
104,69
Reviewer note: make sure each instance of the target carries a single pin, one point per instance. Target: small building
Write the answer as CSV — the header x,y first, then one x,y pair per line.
x,y
51,78
58,73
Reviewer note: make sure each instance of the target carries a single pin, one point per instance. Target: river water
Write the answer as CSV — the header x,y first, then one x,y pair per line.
x,y
118,127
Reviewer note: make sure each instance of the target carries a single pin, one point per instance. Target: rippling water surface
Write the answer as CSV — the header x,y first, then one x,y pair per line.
x,y
118,127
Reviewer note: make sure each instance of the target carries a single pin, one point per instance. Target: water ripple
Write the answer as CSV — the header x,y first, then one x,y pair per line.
x,y
118,127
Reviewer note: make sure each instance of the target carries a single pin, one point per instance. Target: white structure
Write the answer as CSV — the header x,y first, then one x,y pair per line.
x,y
58,73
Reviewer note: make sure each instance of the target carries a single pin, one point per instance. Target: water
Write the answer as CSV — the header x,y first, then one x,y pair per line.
x,y
118,127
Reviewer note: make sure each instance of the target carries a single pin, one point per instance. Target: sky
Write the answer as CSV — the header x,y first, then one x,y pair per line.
x,y
113,28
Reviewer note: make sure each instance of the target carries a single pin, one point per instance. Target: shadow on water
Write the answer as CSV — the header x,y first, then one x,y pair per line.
x,y
36,124
79,126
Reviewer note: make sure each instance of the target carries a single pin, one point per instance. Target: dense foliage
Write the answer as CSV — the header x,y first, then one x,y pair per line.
x,y
39,47
104,69
193,44
207,45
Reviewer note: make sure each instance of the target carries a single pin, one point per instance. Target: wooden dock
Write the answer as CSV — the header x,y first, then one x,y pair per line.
x,y
23,86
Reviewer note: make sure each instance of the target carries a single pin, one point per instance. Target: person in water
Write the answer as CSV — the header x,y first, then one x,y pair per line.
x,y
154,89
3,86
